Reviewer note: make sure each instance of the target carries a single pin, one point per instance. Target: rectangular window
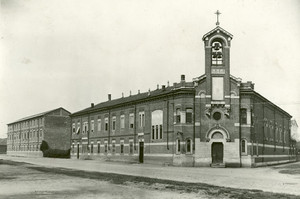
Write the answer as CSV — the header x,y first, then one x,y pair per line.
x,y
106,124
189,115
217,88
178,146
78,128
131,120
98,148
178,115
130,147
156,130
188,146
92,148
99,124
160,131
122,148
122,121
243,146
153,132
85,127
73,128
142,119
105,147
92,126
114,123
243,115
113,147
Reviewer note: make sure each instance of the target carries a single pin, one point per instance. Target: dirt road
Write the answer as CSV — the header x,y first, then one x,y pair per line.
x,y
22,180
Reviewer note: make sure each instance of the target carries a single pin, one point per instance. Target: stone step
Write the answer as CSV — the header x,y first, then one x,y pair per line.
x,y
217,165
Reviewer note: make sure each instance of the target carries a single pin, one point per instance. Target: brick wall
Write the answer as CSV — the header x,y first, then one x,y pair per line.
x,y
57,132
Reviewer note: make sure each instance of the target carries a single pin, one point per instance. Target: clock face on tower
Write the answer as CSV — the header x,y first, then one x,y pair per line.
x,y
217,53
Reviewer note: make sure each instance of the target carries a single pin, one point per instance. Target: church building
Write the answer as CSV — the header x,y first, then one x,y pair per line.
x,y
214,120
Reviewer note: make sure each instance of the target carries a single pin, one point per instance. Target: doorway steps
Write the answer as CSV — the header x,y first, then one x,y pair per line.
x,y
217,165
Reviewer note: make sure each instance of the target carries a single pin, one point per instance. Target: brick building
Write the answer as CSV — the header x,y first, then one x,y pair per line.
x,y
25,136
3,145
214,120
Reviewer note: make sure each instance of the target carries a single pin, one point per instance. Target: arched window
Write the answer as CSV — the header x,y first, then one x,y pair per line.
x,y
217,53
244,147
188,146
178,115
217,135
178,150
157,124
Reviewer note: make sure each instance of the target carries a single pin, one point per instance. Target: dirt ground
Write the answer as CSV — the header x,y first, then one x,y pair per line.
x,y
21,180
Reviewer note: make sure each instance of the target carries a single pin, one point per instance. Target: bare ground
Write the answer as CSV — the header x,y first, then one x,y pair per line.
x,y
23,180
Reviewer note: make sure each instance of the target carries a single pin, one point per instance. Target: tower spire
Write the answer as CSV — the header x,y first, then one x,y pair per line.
x,y
218,13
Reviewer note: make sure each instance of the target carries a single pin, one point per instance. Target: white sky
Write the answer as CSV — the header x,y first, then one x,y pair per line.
x,y
70,53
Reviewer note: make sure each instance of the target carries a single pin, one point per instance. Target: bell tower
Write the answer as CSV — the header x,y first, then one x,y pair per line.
x,y
217,63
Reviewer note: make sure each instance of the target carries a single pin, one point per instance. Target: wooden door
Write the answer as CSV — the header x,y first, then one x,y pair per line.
x,y
217,152
141,152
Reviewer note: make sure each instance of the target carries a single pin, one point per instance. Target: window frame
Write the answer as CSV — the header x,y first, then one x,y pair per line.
x,y
187,113
114,123
244,146
218,61
131,121
122,121
189,146
178,116
243,116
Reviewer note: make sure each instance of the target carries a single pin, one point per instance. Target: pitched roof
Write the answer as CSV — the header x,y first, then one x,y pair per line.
x,y
37,115
134,98
216,29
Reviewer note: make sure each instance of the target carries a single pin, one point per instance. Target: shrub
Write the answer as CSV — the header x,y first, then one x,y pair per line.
x,y
44,146
53,153
56,153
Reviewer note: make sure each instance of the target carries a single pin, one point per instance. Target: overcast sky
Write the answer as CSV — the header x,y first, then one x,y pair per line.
x,y
70,53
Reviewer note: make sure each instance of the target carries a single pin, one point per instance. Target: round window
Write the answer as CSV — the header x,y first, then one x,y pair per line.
x,y
217,115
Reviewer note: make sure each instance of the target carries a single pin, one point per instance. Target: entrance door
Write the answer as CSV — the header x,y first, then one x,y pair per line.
x,y
217,152
141,155
77,151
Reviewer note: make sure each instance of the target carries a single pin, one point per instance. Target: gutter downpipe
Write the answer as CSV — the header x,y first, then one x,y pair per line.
x,y
134,125
194,127
240,131
168,123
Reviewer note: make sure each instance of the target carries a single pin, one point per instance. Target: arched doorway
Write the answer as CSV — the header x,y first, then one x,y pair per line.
x,y
217,151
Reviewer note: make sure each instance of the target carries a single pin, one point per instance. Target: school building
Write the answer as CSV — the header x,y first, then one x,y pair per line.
x,y
214,120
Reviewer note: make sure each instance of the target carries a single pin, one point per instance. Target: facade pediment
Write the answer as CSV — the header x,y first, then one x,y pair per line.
x,y
217,30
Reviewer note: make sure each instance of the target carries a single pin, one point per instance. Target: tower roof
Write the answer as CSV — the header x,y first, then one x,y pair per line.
x,y
216,29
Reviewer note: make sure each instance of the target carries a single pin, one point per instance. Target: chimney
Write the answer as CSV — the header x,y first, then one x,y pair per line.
x,y
163,87
182,78
109,97
122,95
157,86
149,92
92,105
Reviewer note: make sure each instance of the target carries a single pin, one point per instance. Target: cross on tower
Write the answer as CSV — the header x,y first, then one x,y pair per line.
x,y
218,13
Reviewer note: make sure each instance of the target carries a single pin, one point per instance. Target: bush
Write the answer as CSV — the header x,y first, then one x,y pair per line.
x,y
56,153
44,146
53,153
